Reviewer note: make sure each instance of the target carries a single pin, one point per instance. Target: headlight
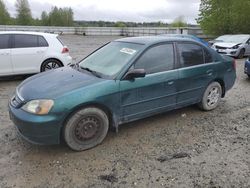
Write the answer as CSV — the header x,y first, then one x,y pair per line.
x,y
39,107
235,47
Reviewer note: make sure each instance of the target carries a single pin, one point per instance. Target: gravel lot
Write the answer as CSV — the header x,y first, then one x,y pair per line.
x,y
182,148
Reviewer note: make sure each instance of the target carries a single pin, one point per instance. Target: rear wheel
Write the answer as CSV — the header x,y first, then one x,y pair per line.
x,y
241,54
50,64
211,97
86,129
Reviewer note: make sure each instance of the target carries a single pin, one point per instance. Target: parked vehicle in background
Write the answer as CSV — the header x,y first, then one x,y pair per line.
x,y
218,39
31,52
233,45
189,37
247,67
123,81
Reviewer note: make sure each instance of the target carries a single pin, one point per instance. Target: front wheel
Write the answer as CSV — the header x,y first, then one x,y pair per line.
x,y
211,97
86,129
241,54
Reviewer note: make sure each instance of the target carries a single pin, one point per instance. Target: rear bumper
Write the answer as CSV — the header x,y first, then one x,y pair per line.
x,y
42,130
67,60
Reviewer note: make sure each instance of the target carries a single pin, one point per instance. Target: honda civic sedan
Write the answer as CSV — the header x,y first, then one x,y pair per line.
x,y
125,80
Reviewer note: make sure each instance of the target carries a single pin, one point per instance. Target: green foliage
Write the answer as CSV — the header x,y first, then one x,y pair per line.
x,y
219,17
179,22
58,17
24,16
120,24
4,15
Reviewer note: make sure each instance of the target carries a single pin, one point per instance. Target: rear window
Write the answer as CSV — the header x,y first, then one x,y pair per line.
x,y
25,41
4,41
29,41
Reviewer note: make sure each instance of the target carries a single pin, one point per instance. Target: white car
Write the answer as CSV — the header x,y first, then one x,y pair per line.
x,y
31,52
233,45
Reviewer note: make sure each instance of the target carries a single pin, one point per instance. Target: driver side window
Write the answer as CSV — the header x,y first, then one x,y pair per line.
x,y
158,58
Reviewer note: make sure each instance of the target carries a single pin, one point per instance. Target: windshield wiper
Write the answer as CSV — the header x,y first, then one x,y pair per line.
x,y
91,71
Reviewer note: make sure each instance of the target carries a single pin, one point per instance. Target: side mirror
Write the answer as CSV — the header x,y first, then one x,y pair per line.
x,y
135,73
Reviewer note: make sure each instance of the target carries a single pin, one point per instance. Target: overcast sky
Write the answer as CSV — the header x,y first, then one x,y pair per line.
x,y
119,10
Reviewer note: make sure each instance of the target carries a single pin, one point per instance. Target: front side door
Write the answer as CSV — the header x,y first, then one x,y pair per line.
x,y
26,54
155,92
5,57
196,71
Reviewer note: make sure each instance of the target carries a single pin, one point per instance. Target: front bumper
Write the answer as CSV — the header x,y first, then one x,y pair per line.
x,y
229,52
43,130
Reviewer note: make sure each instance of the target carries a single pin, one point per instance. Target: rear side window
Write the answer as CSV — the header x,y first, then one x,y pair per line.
x,y
190,54
60,40
42,42
4,41
157,59
25,41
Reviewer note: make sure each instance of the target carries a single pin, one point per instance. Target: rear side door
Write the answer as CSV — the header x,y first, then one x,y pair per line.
x,y
27,54
5,56
196,71
155,92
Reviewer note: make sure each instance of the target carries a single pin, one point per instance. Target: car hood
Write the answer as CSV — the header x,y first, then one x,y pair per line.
x,y
226,44
54,83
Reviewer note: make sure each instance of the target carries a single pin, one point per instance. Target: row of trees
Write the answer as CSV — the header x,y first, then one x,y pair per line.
x,y
65,17
56,17
219,17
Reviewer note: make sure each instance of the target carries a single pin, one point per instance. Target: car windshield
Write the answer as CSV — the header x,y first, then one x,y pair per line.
x,y
233,38
111,58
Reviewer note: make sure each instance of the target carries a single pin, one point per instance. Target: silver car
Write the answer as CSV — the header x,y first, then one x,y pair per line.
x,y
233,45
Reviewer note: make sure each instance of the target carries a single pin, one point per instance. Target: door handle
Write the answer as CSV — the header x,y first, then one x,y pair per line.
x,y
209,72
170,82
5,53
39,52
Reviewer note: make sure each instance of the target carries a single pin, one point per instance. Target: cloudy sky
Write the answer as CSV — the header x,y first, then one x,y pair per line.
x,y
119,10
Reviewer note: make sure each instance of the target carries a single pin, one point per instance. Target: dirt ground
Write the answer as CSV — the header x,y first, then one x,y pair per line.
x,y
182,148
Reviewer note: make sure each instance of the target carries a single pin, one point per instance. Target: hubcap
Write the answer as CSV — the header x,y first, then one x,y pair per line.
x,y
87,128
51,65
213,96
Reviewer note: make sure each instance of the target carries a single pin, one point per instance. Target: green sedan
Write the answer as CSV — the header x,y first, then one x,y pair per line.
x,y
125,80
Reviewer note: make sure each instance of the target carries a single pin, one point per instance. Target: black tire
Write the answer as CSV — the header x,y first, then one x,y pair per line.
x,y
211,97
248,75
86,129
50,64
241,54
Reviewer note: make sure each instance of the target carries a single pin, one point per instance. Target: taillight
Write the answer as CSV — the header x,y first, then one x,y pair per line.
x,y
65,50
234,64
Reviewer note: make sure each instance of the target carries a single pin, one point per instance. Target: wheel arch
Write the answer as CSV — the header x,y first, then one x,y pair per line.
x,y
102,107
222,83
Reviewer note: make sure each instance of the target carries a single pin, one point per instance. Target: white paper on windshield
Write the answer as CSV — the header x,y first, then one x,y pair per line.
x,y
128,51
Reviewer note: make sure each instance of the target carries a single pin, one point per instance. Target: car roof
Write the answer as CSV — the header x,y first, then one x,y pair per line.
x,y
149,40
27,33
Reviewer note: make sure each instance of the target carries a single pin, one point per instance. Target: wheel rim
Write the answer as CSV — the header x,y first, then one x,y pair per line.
x,y
51,65
213,96
87,128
